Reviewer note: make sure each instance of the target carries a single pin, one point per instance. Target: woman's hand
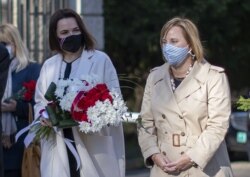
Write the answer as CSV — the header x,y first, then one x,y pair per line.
x,y
9,106
183,163
162,162
6,141
45,122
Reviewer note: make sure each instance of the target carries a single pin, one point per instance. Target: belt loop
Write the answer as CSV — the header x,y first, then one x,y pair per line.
x,y
176,140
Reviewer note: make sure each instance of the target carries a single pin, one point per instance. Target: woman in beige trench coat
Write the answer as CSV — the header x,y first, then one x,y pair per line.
x,y
185,110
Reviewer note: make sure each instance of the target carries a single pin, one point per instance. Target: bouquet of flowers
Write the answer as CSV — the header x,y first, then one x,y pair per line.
x,y
25,93
8,121
84,102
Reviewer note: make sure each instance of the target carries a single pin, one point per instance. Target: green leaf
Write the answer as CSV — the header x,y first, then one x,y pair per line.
x,y
53,114
243,103
50,93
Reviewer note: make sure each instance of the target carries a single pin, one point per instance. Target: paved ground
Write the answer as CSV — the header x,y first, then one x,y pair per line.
x,y
240,169
138,173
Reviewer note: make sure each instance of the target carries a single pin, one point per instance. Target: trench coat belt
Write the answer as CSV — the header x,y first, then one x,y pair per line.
x,y
177,139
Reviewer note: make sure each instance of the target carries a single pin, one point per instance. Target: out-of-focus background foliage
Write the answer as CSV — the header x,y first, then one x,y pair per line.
x,y
132,32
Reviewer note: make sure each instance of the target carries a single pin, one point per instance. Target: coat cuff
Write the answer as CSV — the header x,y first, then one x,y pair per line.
x,y
147,156
196,159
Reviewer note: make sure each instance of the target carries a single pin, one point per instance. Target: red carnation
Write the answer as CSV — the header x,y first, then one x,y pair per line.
x,y
84,100
28,90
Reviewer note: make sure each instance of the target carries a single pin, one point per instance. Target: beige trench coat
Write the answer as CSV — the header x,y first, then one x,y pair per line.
x,y
101,154
192,120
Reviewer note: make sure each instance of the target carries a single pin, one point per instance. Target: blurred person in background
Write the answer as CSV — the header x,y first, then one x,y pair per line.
x,y
4,67
185,110
15,110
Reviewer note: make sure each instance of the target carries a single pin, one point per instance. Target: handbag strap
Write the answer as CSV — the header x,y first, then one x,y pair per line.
x,y
30,113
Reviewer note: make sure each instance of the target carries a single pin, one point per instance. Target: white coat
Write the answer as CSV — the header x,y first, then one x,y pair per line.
x,y
102,154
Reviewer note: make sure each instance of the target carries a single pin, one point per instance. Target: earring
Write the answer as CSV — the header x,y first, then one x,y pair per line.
x,y
192,55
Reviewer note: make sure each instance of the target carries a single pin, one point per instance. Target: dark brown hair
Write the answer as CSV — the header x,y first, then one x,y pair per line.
x,y
87,40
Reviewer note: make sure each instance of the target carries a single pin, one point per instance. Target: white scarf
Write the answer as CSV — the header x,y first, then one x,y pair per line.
x,y
8,119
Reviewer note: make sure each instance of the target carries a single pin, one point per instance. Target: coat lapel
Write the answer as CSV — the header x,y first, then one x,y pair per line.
x,y
86,63
84,68
193,81
57,68
168,100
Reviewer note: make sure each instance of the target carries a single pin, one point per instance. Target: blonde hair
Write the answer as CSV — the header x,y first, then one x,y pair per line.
x,y
10,35
190,33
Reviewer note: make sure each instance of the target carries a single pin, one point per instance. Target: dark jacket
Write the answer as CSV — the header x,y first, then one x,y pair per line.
x,y
4,66
13,156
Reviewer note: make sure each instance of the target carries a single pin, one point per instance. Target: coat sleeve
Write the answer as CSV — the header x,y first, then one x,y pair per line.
x,y
147,131
110,75
111,78
219,109
40,101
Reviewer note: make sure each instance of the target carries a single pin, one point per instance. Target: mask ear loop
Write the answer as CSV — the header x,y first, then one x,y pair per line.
x,y
61,41
192,55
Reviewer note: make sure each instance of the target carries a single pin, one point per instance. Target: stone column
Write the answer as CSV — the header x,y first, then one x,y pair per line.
x,y
92,12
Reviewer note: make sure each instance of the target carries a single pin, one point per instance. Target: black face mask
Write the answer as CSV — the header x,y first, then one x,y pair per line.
x,y
71,43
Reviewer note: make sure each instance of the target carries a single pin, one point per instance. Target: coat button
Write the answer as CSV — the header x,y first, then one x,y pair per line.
x,y
182,152
163,116
164,153
182,134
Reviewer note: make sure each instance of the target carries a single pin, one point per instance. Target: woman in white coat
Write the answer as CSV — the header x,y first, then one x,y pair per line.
x,y
185,110
101,154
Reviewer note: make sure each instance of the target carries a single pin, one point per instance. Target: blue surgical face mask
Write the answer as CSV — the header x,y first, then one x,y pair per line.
x,y
174,55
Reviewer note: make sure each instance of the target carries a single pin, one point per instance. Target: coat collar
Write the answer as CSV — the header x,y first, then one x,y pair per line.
x,y
189,85
85,65
163,79
193,81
